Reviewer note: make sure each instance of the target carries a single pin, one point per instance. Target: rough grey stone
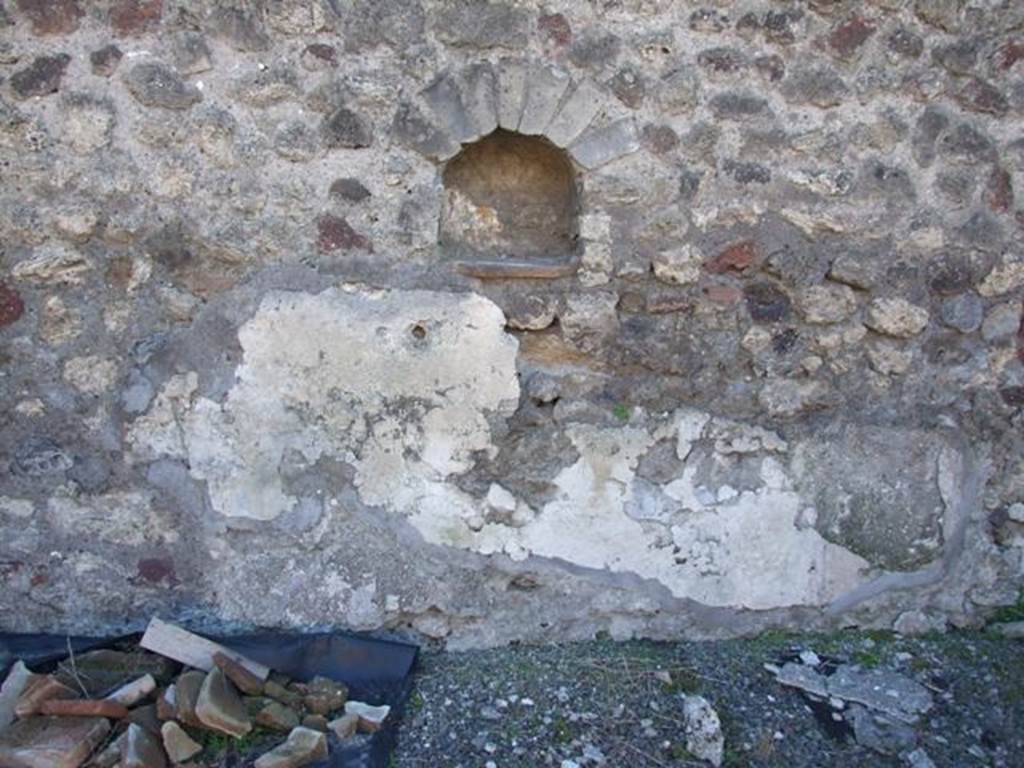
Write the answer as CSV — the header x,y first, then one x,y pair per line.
x,y
104,61
444,98
704,739
1001,322
820,86
576,113
965,143
602,145
350,190
512,74
677,91
296,141
141,749
595,50
545,87
932,122
882,691
40,456
629,86
264,87
397,23
319,56
906,43
880,733
963,312
411,128
944,14
154,85
41,78
343,128
302,746
92,473
766,303
219,707
894,519
737,106
190,53
479,89
486,24
240,28
959,57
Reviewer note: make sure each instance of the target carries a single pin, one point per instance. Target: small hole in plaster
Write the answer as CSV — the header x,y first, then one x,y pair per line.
x,y
418,332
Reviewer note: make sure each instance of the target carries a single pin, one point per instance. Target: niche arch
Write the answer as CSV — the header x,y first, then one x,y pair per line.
x,y
513,141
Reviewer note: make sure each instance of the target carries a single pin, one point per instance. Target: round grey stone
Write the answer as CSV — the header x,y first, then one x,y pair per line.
x,y
963,312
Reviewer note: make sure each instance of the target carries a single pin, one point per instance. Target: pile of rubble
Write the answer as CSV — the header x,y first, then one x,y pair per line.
x,y
879,708
156,705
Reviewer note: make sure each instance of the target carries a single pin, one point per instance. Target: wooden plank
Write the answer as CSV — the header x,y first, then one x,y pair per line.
x,y
513,269
192,650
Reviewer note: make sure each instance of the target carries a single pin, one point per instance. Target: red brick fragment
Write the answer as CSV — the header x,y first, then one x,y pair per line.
x,y
845,39
979,96
1008,54
133,17
723,294
325,53
245,680
555,27
1020,335
334,234
84,708
157,569
659,139
736,257
999,191
51,17
11,305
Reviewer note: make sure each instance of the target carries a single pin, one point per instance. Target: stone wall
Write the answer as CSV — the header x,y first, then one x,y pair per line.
x,y
752,355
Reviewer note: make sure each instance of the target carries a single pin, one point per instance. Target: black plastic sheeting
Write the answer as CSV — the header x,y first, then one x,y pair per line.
x,y
376,671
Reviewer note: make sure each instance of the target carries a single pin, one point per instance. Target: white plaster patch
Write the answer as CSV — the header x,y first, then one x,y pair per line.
x,y
400,386
160,431
746,553
91,374
125,518
397,383
16,507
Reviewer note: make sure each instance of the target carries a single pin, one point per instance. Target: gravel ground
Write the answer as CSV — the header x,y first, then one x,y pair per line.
x,y
612,704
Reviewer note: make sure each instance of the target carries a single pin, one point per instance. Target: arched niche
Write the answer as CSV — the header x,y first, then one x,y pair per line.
x,y
510,198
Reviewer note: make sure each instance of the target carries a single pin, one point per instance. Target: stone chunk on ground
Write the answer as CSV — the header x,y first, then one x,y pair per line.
x,y
141,749
40,688
345,727
11,690
324,695
704,739
243,679
178,744
272,714
881,690
186,696
219,706
371,718
303,746
51,742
